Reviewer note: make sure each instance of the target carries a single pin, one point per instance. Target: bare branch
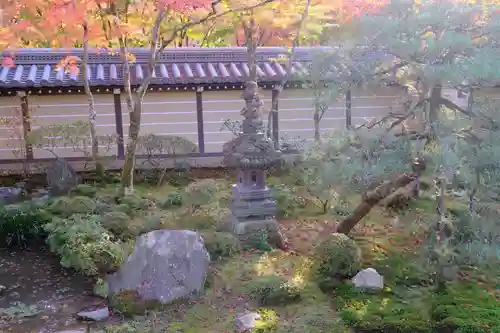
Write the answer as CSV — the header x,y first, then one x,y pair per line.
x,y
152,53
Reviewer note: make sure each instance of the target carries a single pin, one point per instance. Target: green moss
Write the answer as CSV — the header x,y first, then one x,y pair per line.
x,y
129,303
194,222
274,290
466,308
462,308
384,312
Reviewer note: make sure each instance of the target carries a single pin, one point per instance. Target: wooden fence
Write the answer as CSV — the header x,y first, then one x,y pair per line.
x,y
195,115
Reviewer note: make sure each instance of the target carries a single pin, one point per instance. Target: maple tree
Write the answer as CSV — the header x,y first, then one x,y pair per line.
x,y
56,24
165,21
110,25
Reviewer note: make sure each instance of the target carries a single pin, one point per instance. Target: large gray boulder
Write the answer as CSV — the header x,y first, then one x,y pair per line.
x,y
165,265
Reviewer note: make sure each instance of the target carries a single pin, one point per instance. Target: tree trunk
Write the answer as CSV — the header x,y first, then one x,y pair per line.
x,y
371,198
127,181
317,130
434,108
92,113
133,136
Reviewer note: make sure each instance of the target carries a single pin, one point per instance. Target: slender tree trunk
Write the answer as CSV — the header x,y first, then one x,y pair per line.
x,y
434,108
127,182
134,104
317,130
90,99
133,136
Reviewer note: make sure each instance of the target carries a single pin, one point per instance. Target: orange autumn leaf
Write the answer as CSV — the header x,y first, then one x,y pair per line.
x,y
8,61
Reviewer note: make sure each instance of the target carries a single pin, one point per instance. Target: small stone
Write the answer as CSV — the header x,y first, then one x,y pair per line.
x,y
96,315
2,289
368,278
246,322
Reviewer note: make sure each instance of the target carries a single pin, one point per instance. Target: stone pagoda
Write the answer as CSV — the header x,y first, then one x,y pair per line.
x,y
253,209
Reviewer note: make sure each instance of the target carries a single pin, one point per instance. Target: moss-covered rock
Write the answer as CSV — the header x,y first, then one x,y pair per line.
x,y
335,259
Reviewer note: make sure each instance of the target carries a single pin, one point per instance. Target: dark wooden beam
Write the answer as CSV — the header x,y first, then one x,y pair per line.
x,y
119,123
199,119
26,117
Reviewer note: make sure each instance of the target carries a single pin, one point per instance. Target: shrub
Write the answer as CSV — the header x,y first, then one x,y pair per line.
x,y
117,223
84,190
284,203
123,208
84,245
221,245
195,222
273,290
67,206
288,201
336,258
174,199
268,322
135,202
22,223
199,193
149,223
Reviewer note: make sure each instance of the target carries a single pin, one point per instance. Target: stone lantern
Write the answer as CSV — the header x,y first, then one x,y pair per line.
x,y
253,209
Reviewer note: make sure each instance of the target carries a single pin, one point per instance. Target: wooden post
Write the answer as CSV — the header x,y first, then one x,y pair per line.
x,y
274,115
119,123
348,109
25,113
199,119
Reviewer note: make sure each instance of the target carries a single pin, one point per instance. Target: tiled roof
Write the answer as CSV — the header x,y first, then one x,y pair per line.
x,y
36,67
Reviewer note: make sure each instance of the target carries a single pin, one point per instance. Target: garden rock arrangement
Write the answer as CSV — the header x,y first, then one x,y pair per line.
x,y
165,265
